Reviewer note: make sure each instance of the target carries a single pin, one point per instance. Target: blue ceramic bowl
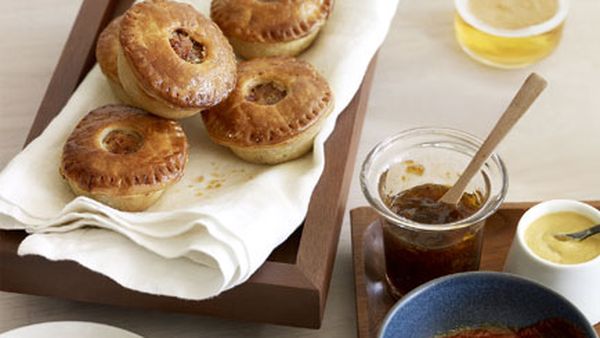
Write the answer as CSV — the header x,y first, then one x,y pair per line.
x,y
474,299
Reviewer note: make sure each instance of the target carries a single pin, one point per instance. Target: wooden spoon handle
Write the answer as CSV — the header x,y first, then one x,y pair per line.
x,y
530,90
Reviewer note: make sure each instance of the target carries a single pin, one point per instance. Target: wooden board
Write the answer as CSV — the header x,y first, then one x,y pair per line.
x,y
289,289
373,301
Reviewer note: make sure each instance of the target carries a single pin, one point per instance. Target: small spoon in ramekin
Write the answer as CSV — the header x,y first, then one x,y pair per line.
x,y
580,235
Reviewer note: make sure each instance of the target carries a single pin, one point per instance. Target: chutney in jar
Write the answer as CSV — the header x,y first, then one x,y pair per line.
x,y
415,256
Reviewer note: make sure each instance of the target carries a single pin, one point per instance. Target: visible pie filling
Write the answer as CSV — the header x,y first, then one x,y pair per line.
x,y
266,93
187,48
121,141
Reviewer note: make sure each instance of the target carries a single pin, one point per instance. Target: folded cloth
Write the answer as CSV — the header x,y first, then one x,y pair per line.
x,y
214,228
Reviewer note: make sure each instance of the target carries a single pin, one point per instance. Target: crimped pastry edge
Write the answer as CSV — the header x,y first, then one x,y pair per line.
x,y
158,176
289,150
217,117
156,86
251,50
141,98
219,12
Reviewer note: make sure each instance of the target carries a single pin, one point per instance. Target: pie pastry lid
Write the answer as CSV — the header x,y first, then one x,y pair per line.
x,y
241,122
107,48
158,161
270,21
145,38
253,50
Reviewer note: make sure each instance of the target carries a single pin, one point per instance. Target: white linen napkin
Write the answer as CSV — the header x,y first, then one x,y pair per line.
x,y
214,228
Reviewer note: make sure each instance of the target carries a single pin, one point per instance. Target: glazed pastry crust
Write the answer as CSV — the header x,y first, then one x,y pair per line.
x,y
107,48
157,162
140,98
270,21
145,35
285,128
285,151
253,50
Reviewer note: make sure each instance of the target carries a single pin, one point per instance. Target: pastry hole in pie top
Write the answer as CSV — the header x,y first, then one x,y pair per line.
x,y
186,47
266,93
122,141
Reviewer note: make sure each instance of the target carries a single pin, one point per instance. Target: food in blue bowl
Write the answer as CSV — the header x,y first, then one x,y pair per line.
x,y
484,304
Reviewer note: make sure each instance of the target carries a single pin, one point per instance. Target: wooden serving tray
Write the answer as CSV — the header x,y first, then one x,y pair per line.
x,y
289,289
373,301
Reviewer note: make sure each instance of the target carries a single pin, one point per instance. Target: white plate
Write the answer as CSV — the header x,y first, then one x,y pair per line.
x,y
68,330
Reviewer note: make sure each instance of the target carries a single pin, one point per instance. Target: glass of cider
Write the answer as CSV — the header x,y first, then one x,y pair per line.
x,y
509,33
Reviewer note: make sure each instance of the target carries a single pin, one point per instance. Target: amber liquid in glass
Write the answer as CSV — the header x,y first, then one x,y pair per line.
x,y
505,52
413,257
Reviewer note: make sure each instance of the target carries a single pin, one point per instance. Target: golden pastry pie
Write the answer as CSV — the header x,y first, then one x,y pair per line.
x,y
260,28
107,49
124,157
173,61
274,112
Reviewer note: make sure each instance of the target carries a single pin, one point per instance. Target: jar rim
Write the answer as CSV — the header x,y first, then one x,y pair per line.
x,y
490,206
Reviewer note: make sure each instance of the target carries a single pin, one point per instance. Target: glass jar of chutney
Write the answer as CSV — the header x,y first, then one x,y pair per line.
x,y
403,178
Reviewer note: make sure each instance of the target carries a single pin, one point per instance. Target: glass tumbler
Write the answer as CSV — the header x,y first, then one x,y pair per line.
x,y
415,252
507,48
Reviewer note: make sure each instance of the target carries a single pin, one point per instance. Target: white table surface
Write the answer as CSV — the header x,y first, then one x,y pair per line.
x,y
422,79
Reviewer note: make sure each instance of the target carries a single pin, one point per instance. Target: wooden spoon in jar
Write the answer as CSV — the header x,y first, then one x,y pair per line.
x,y
529,92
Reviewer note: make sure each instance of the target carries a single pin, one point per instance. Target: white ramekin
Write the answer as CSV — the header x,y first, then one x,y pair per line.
x,y
580,283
